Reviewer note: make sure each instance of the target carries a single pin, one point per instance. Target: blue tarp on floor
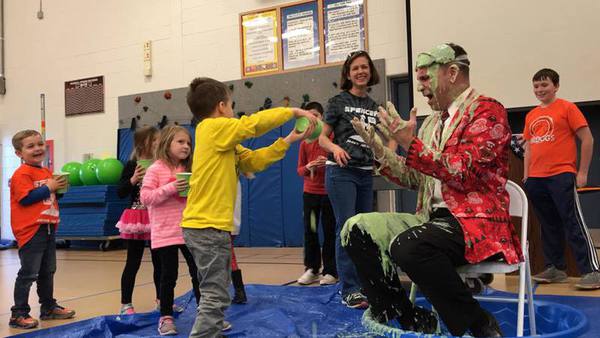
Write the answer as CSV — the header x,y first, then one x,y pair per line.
x,y
286,311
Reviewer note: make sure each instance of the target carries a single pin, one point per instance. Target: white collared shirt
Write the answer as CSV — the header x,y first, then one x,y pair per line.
x,y
437,201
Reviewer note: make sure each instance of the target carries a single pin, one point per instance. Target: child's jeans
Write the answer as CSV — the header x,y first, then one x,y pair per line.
x,y
211,249
38,264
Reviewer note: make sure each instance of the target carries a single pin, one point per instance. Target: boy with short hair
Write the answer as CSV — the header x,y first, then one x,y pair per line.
x,y
551,179
34,218
208,216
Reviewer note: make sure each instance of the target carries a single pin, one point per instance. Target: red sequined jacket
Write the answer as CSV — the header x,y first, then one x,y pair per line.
x,y
473,169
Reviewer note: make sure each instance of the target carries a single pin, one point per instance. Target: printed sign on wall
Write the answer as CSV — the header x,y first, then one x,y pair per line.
x,y
300,35
260,44
344,28
84,96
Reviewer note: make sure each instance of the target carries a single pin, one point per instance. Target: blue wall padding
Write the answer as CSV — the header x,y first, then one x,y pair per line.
x,y
265,214
291,190
125,144
271,203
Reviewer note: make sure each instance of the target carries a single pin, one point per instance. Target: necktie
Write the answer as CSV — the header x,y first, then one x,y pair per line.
x,y
445,116
439,131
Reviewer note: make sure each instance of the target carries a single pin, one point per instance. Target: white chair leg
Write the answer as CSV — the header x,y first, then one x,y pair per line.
x,y
521,304
438,329
413,293
531,305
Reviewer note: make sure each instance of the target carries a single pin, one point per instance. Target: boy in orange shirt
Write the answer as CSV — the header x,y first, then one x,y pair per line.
x,y
551,180
34,218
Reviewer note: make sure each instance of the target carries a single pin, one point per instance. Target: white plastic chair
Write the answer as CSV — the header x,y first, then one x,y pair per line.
x,y
518,207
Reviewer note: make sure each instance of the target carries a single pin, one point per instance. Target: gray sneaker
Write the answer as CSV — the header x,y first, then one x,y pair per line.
x,y
589,281
550,275
355,300
226,326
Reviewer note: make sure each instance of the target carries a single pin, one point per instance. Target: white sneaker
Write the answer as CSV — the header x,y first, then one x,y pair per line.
x,y
308,277
328,280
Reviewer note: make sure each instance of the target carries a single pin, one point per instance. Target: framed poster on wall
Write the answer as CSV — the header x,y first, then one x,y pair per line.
x,y
344,28
300,35
260,43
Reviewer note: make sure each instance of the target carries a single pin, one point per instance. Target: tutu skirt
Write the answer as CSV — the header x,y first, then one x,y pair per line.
x,y
134,224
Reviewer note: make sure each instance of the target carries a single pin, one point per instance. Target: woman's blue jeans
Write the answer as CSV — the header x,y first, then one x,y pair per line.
x,y
350,191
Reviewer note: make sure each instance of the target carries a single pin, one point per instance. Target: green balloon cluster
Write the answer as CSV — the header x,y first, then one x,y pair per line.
x,y
94,172
87,173
109,170
73,169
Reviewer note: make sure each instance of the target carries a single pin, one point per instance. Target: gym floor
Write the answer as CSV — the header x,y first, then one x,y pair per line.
x,y
88,281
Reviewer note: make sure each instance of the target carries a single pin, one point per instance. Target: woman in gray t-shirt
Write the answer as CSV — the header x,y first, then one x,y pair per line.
x,y
348,176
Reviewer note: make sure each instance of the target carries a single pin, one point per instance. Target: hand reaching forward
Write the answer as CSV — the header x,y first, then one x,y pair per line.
x,y
399,130
370,137
386,117
295,136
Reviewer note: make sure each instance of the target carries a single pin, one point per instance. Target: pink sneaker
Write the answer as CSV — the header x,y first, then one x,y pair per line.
x,y
127,309
166,326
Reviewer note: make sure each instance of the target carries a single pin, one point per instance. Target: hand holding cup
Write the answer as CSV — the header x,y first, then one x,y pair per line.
x,y
183,183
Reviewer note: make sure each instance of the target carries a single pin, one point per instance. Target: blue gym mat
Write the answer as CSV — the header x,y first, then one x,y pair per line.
x,y
291,311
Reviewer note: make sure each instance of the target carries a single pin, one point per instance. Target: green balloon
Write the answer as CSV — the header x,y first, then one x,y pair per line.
x,y
109,171
87,173
73,169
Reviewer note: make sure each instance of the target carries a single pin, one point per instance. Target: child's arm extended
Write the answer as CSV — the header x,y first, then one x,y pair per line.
x,y
302,168
259,159
230,132
152,193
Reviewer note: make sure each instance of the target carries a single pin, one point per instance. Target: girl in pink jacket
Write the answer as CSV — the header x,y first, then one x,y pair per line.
x,y
161,194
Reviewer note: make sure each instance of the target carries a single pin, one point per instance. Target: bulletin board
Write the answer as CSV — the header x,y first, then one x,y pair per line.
x,y
260,42
301,35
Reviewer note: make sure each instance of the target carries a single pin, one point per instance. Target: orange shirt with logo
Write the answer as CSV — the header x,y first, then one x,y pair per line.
x,y
26,219
551,133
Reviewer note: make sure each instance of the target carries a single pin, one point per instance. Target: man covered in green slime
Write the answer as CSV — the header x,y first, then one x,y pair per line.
x,y
458,163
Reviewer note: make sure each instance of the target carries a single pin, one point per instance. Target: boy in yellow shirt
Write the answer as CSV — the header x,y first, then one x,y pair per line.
x,y
208,216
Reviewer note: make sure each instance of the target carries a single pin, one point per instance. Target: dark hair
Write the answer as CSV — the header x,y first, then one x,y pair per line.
x,y
547,74
205,94
459,51
17,140
314,105
142,142
347,84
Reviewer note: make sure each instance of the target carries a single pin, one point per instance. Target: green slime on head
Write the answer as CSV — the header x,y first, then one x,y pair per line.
x,y
438,55
441,55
